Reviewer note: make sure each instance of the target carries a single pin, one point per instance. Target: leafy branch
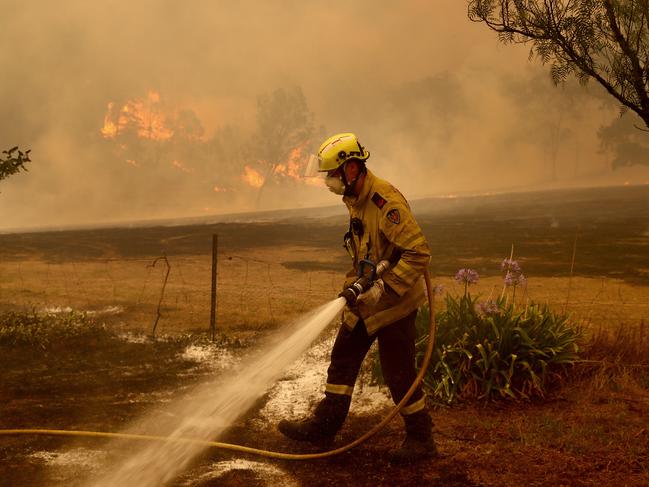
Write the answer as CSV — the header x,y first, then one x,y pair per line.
x,y
604,40
13,161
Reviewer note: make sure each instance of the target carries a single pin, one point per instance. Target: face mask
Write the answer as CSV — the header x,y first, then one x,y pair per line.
x,y
335,185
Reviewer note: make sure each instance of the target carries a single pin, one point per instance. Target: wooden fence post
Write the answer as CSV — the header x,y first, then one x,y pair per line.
x,y
162,293
215,245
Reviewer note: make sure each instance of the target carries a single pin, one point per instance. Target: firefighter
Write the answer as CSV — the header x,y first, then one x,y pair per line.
x,y
381,227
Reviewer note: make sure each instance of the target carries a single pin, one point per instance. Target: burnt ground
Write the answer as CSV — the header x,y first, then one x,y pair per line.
x,y
592,431
77,386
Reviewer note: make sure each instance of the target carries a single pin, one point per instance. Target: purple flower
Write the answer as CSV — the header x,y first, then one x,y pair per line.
x,y
489,307
512,279
513,273
510,266
466,276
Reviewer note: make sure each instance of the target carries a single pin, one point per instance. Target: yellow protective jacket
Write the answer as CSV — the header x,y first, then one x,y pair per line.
x,y
390,232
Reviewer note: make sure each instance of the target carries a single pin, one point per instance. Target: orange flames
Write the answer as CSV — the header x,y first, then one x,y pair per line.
x,y
133,126
144,116
293,169
109,130
252,177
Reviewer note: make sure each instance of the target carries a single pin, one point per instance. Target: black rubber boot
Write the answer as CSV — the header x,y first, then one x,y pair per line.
x,y
419,443
321,428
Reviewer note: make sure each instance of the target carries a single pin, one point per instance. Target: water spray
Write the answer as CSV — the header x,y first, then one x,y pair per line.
x,y
362,284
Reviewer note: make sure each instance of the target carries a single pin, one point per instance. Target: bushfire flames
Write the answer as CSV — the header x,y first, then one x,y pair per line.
x,y
145,116
252,177
292,169
295,166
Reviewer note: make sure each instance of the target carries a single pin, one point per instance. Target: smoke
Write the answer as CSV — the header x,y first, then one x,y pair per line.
x,y
439,102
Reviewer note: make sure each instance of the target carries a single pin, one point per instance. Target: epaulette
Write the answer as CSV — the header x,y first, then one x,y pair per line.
x,y
378,200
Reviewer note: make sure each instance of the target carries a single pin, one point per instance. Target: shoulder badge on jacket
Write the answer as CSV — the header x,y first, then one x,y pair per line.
x,y
393,216
378,200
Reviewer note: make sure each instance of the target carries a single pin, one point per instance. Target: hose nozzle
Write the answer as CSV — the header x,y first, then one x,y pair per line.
x,y
365,280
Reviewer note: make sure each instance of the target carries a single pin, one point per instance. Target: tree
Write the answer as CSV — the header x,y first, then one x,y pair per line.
x,y
13,162
225,155
545,115
284,123
627,146
604,40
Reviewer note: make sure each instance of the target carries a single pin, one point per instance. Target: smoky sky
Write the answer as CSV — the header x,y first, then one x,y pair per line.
x,y
440,103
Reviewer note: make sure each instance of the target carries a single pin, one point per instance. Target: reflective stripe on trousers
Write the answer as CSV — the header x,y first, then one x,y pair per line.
x,y
397,354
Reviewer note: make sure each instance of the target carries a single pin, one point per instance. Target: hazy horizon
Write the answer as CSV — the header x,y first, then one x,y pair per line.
x,y
148,110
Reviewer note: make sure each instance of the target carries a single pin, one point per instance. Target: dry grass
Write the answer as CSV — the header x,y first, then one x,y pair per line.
x,y
256,290
625,344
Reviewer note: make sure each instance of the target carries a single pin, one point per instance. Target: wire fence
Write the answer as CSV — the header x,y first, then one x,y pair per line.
x,y
254,290
136,293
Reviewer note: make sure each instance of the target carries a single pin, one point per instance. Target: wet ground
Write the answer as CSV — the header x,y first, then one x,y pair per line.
x,y
580,435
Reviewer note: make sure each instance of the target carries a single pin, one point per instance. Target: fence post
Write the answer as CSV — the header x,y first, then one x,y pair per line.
x,y
162,292
215,245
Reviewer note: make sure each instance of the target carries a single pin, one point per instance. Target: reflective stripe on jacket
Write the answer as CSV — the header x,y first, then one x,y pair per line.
x,y
389,231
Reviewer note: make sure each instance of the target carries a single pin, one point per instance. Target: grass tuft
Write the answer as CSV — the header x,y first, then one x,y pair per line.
x,y
618,353
45,331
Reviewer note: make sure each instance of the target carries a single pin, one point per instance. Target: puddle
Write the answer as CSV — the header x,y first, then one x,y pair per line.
x,y
259,474
212,356
302,387
76,458
105,311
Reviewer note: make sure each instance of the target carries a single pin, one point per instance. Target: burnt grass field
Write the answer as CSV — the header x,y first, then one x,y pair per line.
x,y
591,430
610,224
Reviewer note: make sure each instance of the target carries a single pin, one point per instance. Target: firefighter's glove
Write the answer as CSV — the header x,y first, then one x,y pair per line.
x,y
372,296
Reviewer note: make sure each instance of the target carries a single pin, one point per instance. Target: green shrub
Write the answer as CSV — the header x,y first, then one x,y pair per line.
x,y
47,330
494,349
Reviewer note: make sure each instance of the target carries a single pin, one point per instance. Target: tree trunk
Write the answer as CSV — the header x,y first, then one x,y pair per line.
x,y
267,178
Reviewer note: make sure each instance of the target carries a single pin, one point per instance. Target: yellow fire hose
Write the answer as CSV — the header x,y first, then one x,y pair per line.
x,y
257,451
